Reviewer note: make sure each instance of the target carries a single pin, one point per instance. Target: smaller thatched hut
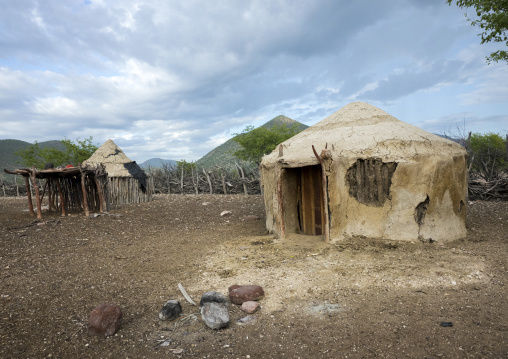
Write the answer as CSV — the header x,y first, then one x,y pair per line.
x,y
128,183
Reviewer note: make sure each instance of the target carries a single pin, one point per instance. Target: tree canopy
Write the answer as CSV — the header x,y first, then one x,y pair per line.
x,y
489,154
257,142
74,153
492,19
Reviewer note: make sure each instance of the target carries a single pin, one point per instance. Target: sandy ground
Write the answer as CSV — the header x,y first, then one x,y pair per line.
x,y
361,298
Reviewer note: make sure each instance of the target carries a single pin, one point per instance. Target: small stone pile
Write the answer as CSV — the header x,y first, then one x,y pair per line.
x,y
214,306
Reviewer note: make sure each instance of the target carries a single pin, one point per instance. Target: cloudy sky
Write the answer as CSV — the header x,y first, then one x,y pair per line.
x,y
174,79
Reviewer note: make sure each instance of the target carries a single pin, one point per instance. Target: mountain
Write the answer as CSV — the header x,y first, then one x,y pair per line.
x,y
8,149
10,161
223,154
157,163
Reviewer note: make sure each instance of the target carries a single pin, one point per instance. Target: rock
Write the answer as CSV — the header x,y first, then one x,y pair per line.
x,y
225,213
246,320
250,307
215,315
212,297
238,294
171,310
105,319
252,218
214,310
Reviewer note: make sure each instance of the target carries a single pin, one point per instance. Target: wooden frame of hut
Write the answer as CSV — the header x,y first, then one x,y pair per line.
x,y
128,183
82,188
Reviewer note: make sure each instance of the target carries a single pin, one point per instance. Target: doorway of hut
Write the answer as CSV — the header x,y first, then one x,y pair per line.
x,y
308,204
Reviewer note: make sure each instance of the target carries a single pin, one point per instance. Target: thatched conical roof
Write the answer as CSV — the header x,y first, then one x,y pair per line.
x,y
115,160
362,130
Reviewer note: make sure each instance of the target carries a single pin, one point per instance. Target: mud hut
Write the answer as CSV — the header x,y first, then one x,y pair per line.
x,y
128,183
362,172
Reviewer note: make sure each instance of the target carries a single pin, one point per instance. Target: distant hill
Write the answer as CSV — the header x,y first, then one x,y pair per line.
x,y
223,154
157,163
10,161
8,149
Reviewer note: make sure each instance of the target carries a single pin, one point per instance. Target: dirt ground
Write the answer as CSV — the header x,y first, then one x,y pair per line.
x,y
361,298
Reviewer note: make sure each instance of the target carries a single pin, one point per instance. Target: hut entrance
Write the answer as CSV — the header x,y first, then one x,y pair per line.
x,y
310,200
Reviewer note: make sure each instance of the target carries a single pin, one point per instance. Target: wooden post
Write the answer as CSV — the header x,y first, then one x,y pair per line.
x,y
245,190
280,201
29,195
37,195
62,200
209,181
100,193
325,193
83,191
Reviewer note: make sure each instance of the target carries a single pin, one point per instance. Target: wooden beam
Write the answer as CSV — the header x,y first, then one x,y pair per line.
x,y
29,195
37,195
62,198
325,195
83,191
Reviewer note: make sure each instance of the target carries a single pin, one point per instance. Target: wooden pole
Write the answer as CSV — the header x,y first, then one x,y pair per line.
x,y
62,199
325,193
83,191
209,180
100,193
37,195
280,200
245,190
29,195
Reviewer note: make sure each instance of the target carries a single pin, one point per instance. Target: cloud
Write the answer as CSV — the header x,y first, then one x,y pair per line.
x,y
176,78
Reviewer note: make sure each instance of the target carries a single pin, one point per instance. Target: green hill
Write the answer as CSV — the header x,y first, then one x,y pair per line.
x,y
223,154
10,161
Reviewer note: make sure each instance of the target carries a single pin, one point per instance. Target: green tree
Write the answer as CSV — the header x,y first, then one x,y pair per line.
x,y
492,19
257,142
187,167
74,153
488,154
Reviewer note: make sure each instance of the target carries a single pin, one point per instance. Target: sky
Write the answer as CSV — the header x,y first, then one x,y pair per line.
x,y
175,79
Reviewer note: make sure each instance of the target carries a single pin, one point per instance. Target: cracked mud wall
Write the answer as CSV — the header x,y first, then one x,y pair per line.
x,y
442,180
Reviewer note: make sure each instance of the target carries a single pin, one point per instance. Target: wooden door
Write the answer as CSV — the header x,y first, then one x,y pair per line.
x,y
310,201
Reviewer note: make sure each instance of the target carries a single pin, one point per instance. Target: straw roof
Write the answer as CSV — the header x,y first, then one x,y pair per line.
x,y
362,130
114,159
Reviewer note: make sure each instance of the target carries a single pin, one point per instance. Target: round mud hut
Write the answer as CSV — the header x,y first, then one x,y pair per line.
x,y
362,173
128,183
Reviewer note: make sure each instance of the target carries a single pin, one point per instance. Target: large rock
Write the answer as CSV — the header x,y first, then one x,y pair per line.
x,y
171,310
214,310
238,294
105,319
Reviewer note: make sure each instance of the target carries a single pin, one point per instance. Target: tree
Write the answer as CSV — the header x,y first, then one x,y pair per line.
x,y
74,153
257,142
488,154
493,20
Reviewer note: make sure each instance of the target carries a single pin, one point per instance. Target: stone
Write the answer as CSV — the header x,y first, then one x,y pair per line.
x,y
215,315
171,310
214,310
212,297
105,319
225,213
246,320
250,307
238,294
252,217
